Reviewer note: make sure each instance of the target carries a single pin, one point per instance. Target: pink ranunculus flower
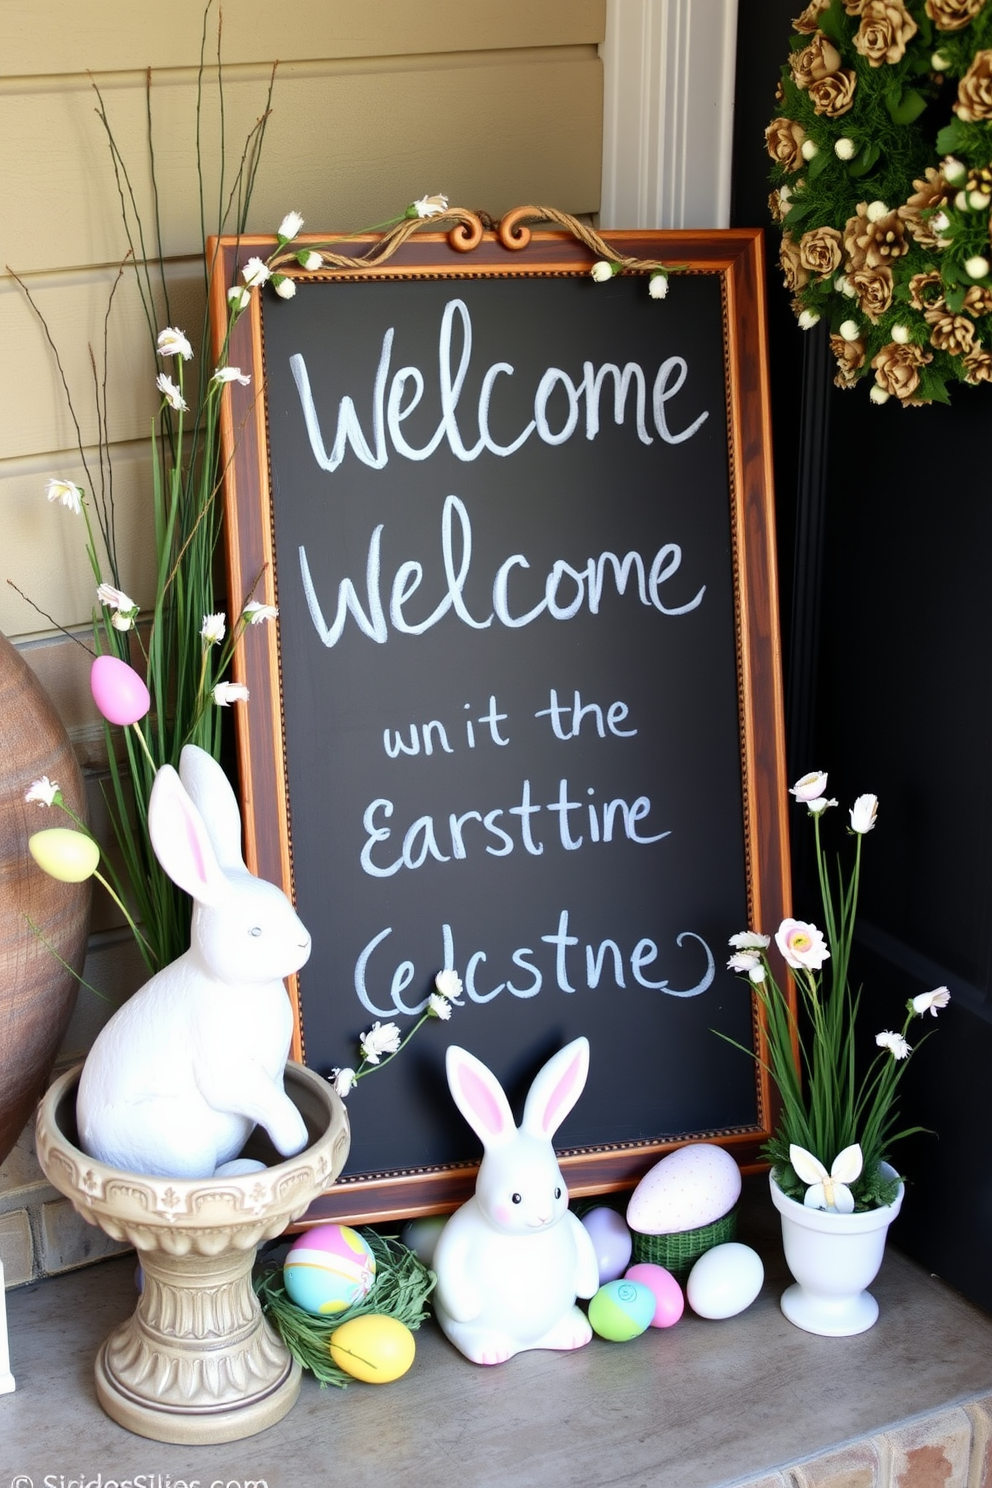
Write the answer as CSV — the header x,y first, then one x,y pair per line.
x,y
802,945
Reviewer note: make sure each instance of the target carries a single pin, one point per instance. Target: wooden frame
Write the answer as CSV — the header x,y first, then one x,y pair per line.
x,y
734,259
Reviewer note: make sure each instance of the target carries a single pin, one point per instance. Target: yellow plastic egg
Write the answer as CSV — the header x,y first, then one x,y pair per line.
x,y
64,853
374,1348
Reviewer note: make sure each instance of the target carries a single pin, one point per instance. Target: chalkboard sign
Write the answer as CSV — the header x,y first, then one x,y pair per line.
x,y
520,715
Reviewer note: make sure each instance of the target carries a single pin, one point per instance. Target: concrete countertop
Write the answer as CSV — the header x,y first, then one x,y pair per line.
x,y
695,1406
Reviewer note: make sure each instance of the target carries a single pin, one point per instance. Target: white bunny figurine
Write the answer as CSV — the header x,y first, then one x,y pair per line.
x,y
182,1072
511,1262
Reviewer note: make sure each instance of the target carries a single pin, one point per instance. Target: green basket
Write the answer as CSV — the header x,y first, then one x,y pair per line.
x,y
678,1252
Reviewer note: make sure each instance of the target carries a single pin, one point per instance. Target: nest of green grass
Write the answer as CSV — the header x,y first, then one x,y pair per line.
x,y
402,1286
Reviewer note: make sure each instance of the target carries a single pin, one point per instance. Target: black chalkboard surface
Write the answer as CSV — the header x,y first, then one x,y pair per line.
x,y
520,716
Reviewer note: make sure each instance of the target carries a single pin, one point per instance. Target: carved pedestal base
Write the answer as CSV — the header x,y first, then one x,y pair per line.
x,y
197,1362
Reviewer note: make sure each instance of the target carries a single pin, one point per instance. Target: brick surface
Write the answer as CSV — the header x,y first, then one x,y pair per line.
x,y
16,1249
68,1241
20,1168
934,1452
980,1415
853,1466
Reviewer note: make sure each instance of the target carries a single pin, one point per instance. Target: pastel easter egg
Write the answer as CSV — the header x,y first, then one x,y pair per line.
x,y
421,1236
612,1239
669,1303
374,1348
691,1187
64,853
725,1280
328,1269
621,1310
118,691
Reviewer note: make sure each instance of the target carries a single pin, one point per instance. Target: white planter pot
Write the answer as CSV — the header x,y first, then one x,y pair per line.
x,y
834,1258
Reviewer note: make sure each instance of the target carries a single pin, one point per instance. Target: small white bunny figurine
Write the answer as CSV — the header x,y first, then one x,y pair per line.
x,y
180,1075
511,1262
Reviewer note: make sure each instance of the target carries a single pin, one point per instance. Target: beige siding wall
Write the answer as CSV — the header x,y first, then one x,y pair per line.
x,y
375,103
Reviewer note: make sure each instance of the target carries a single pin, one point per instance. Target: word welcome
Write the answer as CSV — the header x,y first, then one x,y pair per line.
x,y
566,589
420,841
572,967
406,390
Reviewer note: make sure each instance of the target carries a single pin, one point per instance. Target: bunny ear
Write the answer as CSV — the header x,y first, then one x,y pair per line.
x,y
181,841
555,1090
212,795
479,1096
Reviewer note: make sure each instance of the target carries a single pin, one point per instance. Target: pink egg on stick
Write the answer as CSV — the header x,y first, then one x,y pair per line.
x,y
118,691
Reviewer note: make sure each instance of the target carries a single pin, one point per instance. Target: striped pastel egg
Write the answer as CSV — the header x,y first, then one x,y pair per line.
x,y
328,1269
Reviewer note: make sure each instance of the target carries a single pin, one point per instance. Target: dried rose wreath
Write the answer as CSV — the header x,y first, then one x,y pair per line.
x,y
882,151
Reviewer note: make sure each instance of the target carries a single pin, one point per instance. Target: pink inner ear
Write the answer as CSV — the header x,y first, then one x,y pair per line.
x,y
195,848
560,1101
488,1110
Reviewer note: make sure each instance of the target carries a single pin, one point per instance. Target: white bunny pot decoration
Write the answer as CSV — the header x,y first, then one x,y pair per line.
x,y
183,1071
511,1262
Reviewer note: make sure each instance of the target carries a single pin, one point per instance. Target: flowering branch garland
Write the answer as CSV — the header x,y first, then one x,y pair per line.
x,y
882,152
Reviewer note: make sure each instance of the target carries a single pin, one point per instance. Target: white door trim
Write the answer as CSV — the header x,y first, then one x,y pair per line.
x,y
668,112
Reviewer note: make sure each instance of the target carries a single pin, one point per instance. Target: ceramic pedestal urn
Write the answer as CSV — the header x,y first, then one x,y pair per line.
x,y
197,1362
834,1259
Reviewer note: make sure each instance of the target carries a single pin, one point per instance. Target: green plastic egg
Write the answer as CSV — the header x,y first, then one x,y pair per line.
x,y
621,1310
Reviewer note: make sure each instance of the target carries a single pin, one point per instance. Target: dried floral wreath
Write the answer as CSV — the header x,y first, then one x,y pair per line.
x,y
882,151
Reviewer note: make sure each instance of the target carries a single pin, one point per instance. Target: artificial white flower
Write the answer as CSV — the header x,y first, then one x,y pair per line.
x,y
382,1038
850,330
808,319
284,288
809,150
289,227
939,223
894,1042
115,599
438,1006
125,611
820,804
67,493
931,1002
172,342
343,1080
810,786
308,259
879,395
978,200
747,940
863,814
231,374
213,628
844,148
257,613
171,393
976,267
900,334
876,210
952,169
744,961
802,945
43,791
829,1190
255,273
757,975
601,271
428,206
229,692
658,286
940,63
238,297
449,984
